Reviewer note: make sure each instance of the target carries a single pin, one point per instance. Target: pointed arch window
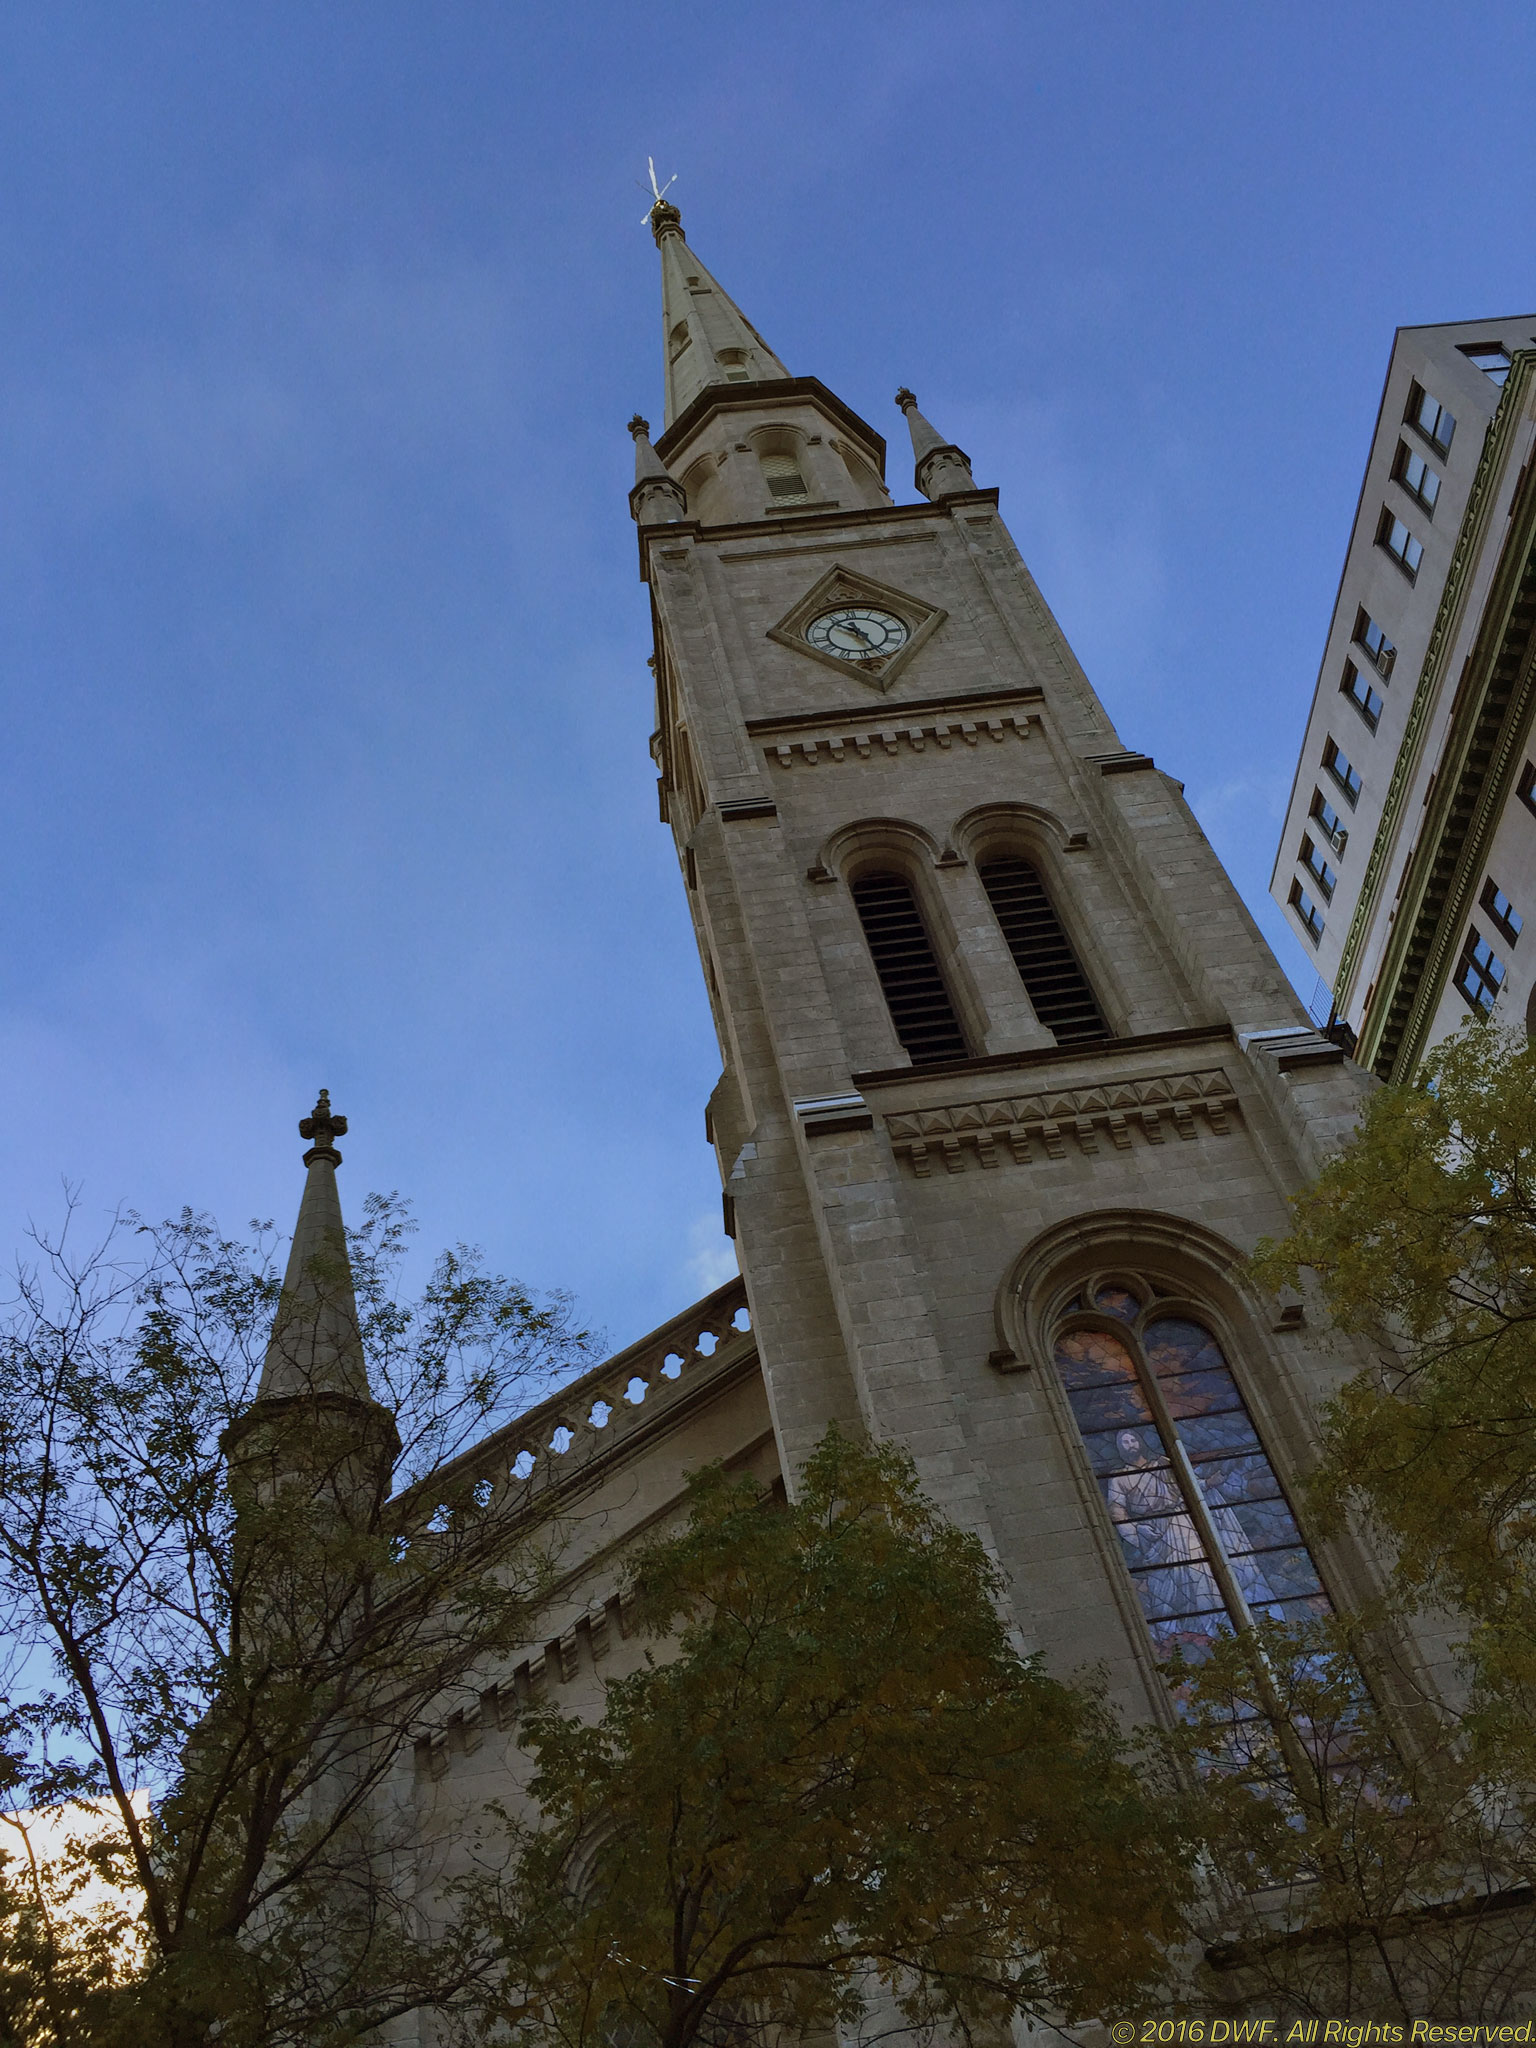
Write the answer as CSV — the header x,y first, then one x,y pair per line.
x,y
910,976
1204,1527
1051,973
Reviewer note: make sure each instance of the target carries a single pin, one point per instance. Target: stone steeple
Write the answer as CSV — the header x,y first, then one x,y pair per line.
x,y
995,1028
316,1348
744,440
706,337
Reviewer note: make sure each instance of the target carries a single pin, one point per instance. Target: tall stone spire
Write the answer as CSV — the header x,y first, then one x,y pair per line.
x,y
706,336
316,1347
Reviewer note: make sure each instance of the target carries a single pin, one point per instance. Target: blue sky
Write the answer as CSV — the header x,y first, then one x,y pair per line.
x,y
323,654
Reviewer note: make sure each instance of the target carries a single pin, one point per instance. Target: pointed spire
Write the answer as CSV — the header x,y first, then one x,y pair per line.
x,y
316,1346
657,497
706,336
941,469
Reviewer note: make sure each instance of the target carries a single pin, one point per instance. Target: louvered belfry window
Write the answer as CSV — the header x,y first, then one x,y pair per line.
x,y
1048,967
786,484
909,973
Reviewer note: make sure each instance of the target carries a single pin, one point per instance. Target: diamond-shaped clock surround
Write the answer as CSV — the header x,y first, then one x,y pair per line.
x,y
842,585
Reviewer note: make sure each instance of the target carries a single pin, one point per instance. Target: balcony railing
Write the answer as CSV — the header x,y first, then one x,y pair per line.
x,y
561,1438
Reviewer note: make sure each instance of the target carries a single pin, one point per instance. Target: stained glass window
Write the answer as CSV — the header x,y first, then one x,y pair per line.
x,y
1117,1301
1204,1528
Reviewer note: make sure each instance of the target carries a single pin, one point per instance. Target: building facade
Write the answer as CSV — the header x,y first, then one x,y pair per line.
x,y
1010,1081
1407,863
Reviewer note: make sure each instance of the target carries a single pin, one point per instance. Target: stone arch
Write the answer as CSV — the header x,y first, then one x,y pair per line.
x,y
1156,1362
864,477
927,989
855,848
1017,850
1198,1261
1015,825
781,455
701,482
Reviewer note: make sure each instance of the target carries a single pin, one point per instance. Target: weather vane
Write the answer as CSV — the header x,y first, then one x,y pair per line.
x,y
658,192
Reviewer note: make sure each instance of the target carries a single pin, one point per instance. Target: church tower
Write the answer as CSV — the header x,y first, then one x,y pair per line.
x,y
1010,1080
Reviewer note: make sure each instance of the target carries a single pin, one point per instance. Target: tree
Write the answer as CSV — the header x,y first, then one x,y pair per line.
x,y
844,1777
256,1645
1354,1872
1376,1836
1422,1233
68,1934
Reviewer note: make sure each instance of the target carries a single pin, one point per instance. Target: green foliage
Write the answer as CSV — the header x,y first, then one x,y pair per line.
x,y
257,1674
1361,1868
69,1936
843,1775
1422,1233
1401,1872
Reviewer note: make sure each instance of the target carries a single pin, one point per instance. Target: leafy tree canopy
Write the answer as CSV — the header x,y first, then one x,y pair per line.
x,y
1353,1872
258,1674
845,1777
1422,1233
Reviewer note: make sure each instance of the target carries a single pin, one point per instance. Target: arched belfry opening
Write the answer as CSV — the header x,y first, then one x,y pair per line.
x,y
911,978
1050,970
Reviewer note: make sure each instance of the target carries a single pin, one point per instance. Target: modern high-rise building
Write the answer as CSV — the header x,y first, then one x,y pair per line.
x,y
1407,864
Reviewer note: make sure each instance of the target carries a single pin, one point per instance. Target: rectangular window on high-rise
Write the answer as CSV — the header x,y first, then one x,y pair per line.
x,y
1376,644
1312,860
1480,972
1366,701
1307,911
1328,821
1430,417
1416,477
1501,912
1491,357
1399,543
1339,767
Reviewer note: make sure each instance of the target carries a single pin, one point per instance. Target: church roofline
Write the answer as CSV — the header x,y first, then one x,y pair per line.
x,y
752,397
630,1424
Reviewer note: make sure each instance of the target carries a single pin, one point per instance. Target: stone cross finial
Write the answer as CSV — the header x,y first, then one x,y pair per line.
x,y
322,1125
906,399
639,429
664,220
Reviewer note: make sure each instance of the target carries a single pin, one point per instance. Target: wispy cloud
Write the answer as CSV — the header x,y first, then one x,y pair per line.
x,y
711,1258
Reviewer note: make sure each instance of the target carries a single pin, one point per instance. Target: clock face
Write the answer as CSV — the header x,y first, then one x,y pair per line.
x,y
857,632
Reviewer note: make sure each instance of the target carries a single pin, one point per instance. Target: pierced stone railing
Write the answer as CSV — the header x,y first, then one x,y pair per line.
x,y
578,1424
